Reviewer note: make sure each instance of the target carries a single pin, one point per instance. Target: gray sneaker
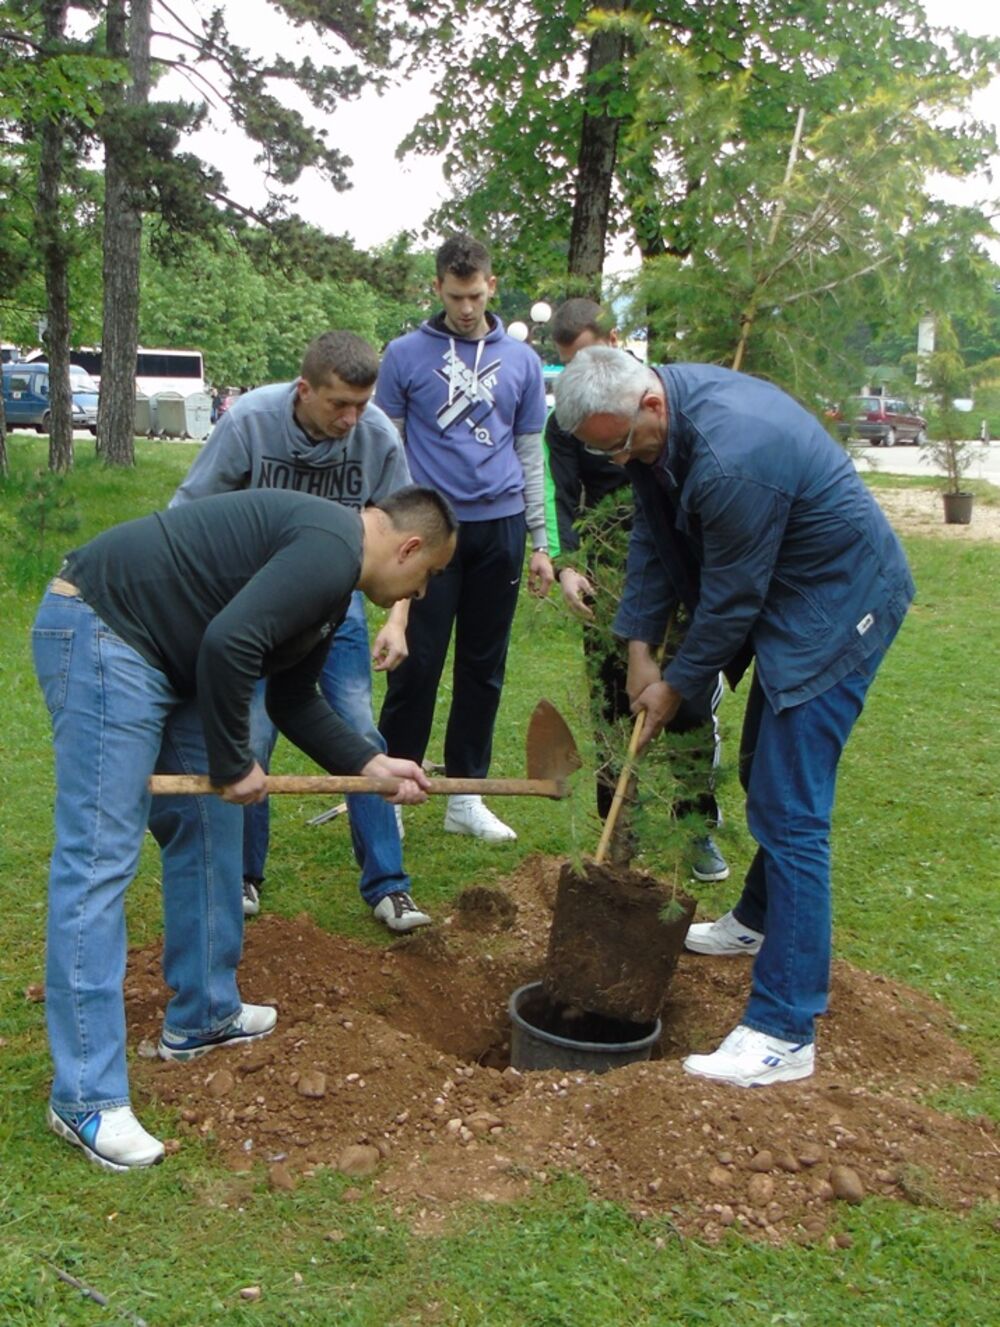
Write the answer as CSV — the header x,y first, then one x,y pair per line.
x,y
723,938
251,896
709,863
399,912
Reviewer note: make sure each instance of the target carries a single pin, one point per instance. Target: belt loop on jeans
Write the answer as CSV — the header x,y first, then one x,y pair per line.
x,y
65,588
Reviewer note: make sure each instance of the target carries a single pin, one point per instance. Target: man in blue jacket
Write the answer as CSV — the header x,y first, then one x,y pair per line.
x,y
584,484
749,512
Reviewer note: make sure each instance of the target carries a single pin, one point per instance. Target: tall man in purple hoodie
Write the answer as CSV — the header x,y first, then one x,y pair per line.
x,y
469,403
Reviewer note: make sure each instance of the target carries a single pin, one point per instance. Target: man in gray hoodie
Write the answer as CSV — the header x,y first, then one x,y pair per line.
x,y
320,435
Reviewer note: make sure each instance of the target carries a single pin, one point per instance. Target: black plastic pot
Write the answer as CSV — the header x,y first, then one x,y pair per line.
x,y
957,508
609,1042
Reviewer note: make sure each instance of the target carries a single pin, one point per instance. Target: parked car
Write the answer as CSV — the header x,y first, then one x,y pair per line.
x,y
26,397
882,420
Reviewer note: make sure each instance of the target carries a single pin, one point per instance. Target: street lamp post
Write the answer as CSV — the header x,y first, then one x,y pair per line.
x,y
540,315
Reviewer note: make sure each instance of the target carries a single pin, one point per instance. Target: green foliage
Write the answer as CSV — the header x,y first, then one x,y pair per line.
x,y
41,512
40,85
795,231
707,98
675,781
252,313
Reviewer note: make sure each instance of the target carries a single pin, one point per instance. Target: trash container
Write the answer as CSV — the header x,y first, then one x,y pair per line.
x,y
167,411
197,415
143,417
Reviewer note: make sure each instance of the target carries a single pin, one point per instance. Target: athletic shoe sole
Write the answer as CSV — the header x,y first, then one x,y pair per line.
x,y
403,928
709,877
59,1126
786,1074
696,946
184,1053
483,838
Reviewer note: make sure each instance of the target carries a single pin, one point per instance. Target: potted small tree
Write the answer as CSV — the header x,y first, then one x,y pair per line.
x,y
947,378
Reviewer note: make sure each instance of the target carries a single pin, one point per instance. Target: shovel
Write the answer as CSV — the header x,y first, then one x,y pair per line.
x,y
550,751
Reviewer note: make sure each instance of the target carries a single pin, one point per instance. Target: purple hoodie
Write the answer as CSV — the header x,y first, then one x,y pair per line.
x,y
462,404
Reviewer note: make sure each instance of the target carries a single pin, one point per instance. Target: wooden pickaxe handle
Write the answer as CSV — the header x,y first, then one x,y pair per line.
x,y
358,783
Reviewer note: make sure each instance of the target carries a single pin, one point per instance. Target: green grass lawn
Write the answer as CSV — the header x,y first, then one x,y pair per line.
x,y
916,846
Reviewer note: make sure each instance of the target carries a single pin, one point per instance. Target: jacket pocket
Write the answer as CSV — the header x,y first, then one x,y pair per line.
x,y
790,611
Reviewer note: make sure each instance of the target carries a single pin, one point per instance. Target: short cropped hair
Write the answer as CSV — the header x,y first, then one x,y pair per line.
x,y
577,316
423,511
350,357
462,256
599,381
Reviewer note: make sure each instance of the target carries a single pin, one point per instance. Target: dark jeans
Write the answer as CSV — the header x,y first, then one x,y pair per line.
x,y
788,766
477,595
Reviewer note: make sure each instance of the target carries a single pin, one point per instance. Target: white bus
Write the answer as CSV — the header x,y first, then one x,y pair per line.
x,y
155,370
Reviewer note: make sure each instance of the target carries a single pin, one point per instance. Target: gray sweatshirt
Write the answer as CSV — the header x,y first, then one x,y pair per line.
x,y
258,444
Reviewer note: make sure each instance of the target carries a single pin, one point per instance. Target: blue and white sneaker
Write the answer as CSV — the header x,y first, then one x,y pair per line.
x,y
725,937
113,1139
253,1021
748,1058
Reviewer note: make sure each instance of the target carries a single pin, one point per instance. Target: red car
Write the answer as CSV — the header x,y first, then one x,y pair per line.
x,y
882,420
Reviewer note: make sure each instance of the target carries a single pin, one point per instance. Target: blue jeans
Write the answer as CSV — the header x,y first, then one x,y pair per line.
x,y
116,719
346,682
788,766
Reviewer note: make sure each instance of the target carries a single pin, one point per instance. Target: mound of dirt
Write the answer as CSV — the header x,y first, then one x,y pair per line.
x,y
394,1062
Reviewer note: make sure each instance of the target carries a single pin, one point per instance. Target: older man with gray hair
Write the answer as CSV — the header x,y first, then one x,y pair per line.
x,y
751,515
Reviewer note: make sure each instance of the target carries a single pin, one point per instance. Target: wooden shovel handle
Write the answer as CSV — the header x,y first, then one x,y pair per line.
x,y
358,783
620,787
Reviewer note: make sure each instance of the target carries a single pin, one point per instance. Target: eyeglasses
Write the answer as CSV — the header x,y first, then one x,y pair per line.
x,y
626,446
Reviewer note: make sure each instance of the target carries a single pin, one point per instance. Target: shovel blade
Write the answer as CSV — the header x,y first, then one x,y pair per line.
x,y
549,748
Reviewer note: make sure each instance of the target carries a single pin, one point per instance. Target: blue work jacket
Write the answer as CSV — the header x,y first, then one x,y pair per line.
x,y
755,518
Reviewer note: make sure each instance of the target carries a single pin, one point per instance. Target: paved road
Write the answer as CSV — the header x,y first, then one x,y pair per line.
x,y
900,460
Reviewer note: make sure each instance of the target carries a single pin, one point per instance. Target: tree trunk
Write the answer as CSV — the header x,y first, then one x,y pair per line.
x,y
596,166
55,261
128,39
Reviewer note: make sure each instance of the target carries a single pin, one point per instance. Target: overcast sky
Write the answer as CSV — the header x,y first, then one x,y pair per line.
x,y
388,195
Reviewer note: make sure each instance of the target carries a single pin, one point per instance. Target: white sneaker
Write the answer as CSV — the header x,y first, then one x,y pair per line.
x,y
724,937
113,1139
471,815
399,822
748,1058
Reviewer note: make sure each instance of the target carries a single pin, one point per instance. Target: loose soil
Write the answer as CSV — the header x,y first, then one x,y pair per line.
x,y
614,942
393,1062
